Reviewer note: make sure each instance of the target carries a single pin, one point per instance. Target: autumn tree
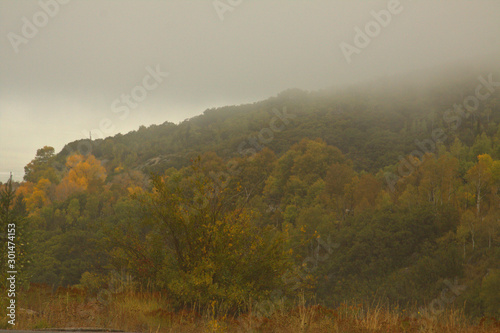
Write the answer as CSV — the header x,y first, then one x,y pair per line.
x,y
209,249
479,177
84,173
304,164
482,187
366,192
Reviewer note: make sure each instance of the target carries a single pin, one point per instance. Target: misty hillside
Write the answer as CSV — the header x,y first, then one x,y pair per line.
x,y
380,193
372,124
250,166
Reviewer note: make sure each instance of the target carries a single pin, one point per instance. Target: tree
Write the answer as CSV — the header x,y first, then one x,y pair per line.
x,y
14,234
40,166
366,192
436,179
208,247
337,177
36,196
85,173
469,223
479,176
490,297
482,145
314,159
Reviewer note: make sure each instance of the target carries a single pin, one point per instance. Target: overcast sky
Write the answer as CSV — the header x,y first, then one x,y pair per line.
x,y
67,69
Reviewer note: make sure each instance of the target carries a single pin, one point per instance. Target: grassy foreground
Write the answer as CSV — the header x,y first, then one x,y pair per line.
x,y
41,308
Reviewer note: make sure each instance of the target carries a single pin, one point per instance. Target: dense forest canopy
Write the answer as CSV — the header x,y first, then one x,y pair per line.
x,y
378,192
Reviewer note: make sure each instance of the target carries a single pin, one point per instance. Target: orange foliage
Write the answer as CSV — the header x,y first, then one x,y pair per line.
x,y
85,173
35,196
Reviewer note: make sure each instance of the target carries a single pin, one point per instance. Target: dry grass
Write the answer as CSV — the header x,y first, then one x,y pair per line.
x,y
151,312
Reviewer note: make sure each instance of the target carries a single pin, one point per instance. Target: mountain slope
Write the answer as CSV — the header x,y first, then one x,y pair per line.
x,y
373,123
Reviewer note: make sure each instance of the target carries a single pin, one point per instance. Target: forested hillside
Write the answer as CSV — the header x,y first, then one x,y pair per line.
x,y
372,124
381,192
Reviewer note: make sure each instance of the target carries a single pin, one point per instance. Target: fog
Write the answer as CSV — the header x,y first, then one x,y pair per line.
x,y
73,67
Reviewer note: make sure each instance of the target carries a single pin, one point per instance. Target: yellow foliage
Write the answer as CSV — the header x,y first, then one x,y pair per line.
x,y
134,190
35,196
84,172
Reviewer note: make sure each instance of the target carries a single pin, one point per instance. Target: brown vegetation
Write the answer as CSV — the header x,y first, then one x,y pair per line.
x,y
41,307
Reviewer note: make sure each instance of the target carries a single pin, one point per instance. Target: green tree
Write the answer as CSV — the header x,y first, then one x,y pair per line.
x,y
489,294
14,234
40,166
